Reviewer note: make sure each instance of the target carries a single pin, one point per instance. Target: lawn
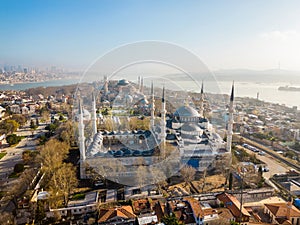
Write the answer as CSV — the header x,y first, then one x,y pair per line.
x,y
2,154
78,196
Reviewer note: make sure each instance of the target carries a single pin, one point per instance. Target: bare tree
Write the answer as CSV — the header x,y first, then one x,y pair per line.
x,y
204,180
188,173
66,180
52,155
158,177
7,218
141,176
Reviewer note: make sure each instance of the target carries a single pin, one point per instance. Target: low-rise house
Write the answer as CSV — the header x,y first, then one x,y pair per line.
x,y
15,109
203,214
117,215
238,211
283,213
24,110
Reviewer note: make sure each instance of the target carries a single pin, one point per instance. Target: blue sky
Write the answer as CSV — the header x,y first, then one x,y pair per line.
x,y
226,34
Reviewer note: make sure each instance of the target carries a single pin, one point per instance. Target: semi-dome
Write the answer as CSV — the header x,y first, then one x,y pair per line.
x,y
186,111
191,127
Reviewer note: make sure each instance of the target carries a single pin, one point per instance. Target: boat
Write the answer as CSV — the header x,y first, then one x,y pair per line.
x,y
287,88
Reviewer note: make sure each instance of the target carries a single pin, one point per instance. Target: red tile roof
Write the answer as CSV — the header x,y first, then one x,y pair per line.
x,y
281,209
232,204
195,205
124,211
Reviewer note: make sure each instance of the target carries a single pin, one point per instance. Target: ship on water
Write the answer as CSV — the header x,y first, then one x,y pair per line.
x,y
288,88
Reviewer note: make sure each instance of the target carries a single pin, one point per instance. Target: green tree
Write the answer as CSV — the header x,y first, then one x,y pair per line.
x,y
20,119
260,170
19,167
171,220
9,126
13,139
33,126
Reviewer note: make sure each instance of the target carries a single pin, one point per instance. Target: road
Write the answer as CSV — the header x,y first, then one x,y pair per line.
x,y
14,154
273,164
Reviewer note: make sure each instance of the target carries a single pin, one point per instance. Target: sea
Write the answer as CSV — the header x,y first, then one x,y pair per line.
x,y
264,91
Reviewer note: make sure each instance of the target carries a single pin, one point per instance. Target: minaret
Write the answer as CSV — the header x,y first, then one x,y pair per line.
x,y
152,107
81,141
201,101
139,83
94,115
142,85
230,121
163,125
105,85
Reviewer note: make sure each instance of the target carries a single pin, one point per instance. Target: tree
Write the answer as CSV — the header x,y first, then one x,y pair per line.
x,y
28,156
45,114
37,122
158,177
19,167
171,220
66,132
260,170
33,126
13,139
52,155
61,176
20,119
141,176
66,181
9,126
7,218
188,173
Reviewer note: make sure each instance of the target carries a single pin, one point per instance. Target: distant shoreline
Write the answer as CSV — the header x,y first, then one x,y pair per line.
x,y
26,85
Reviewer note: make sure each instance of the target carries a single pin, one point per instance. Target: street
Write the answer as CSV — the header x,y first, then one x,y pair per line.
x,y
14,154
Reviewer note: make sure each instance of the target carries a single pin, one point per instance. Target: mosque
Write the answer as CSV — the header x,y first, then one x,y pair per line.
x,y
184,137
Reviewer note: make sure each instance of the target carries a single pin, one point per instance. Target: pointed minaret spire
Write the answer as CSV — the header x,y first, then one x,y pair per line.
x,y
105,85
94,115
232,92
139,83
163,125
81,140
152,106
230,121
163,95
201,101
142,85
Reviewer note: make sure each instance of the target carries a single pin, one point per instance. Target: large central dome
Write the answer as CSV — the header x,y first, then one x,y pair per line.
x,y
186,111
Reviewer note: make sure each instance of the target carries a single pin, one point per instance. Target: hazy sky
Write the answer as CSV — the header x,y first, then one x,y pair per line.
x,y
226,34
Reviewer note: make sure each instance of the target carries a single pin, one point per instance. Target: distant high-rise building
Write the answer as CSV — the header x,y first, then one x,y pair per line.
x,y
25,70
20,69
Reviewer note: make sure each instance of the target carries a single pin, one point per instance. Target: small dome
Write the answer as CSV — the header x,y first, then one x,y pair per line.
x,y
123,82
186,111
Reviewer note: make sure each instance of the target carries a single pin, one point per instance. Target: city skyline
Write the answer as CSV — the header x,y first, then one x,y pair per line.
x,y
224,35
